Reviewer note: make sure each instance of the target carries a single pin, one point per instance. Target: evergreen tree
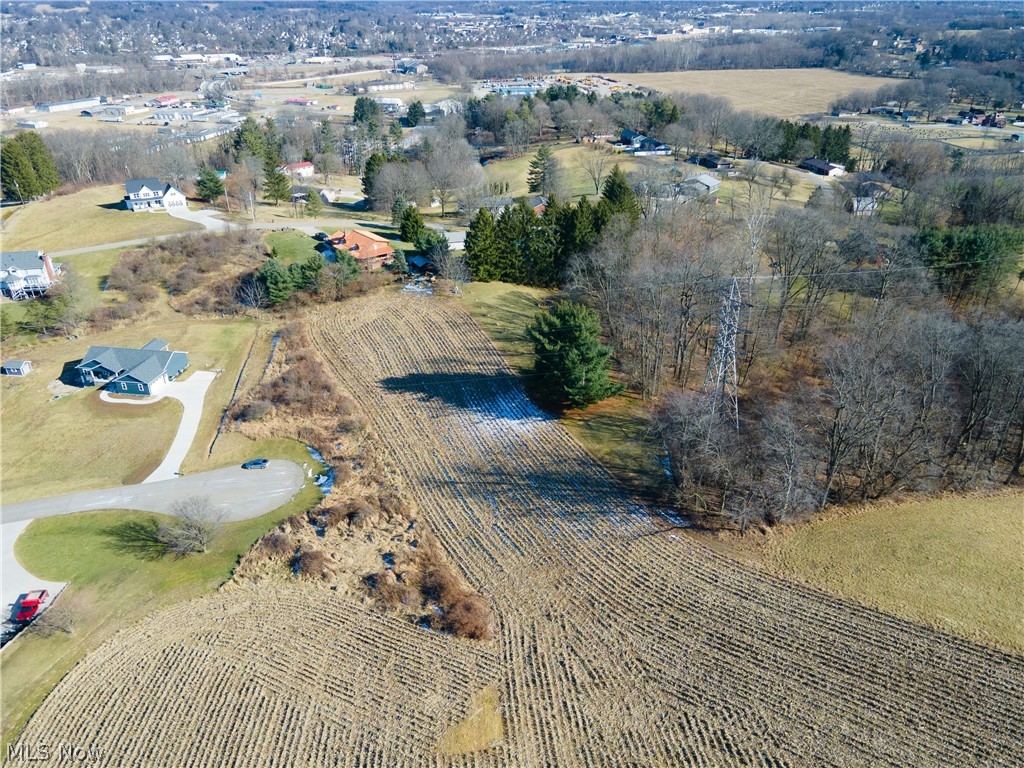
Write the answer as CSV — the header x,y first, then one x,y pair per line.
x,y
278,280
482,247
400,265
346,269
304,274
250,139
543,170
430,239
314,204
543,253
415,114
619,196
367,111
17,176
8,325
397,209
411,225
277,186
39,156
371,168
577,228
514,233
209,187
395,133
571,364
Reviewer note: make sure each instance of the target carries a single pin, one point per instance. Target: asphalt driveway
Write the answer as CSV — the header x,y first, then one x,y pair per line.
x,y
236,493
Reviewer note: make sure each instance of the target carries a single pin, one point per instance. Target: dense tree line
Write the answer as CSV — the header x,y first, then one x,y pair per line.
x,y
27,168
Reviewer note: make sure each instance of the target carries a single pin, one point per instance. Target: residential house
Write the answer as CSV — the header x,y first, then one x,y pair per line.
x,y
27,274
126,371
16,368
701,184
862,206
304,170
369,250
445,107
497,205
153,195
822,167
300,102
714,162
643,146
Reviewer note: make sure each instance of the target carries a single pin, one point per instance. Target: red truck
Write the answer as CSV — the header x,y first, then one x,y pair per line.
x,y
30,604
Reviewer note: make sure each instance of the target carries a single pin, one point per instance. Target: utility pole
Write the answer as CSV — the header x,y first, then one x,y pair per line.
x,y
719,392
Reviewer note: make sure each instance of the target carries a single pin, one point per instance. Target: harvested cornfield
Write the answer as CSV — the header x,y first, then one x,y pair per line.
x,y
620,642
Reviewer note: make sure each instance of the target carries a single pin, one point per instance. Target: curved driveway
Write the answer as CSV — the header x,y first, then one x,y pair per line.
x,y
237,494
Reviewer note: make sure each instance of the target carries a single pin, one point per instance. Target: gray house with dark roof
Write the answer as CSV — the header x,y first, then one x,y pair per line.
x,y
126,371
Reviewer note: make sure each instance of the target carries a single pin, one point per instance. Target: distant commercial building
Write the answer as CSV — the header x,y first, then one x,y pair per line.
x,y
66,106
32,125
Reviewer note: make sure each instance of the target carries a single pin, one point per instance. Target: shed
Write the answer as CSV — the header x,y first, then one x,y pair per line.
x,y
15,368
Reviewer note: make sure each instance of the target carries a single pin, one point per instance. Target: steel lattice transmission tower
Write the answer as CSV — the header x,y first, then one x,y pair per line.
x,y
719,392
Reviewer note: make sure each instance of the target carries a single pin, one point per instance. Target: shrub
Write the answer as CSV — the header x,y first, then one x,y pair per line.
x,y
471,617
277,544
312,564
254,411
360,514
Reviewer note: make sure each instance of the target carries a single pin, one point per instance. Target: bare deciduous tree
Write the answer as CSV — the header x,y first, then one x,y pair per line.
x,y
195,524
596,163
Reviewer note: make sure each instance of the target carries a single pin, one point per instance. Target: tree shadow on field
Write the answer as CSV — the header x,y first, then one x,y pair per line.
x,y
137,537
496,395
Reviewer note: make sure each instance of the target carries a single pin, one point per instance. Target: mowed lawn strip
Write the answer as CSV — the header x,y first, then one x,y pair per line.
x,y
78,442
953,563
107,557
291,247
616,431
91,217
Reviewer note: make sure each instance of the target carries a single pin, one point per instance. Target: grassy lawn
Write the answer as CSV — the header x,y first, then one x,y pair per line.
x,y
616,431
292,246
90,217
98,553
780,92
102,444
954,563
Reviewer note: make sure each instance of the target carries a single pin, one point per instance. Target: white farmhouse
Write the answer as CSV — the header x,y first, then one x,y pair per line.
x,y
27,274
153,195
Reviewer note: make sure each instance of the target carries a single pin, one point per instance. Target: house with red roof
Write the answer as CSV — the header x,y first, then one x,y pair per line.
x,y
369,250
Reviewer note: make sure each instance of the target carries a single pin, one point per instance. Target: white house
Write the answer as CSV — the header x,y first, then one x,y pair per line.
x,y
701,184
303,170
27,274
153,195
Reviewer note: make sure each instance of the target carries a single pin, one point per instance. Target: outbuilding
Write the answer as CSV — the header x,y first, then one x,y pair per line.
x,y
16,368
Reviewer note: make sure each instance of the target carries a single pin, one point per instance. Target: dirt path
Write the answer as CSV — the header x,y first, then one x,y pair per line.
x,y
620,644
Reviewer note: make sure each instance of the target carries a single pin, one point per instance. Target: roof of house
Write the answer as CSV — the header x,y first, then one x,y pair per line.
x,y
629,135
363,244
496,203
15,364
297,166
145,364
819,164
21,260
134,186
705,180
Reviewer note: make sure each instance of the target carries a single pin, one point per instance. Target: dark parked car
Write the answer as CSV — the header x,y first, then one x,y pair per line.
x,y
321,236
256,464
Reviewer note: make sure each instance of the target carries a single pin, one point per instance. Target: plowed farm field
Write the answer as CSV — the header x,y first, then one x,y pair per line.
x,y
621,642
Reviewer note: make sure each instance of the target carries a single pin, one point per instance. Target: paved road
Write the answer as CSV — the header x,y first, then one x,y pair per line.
x,y
190,393
236,493
310,226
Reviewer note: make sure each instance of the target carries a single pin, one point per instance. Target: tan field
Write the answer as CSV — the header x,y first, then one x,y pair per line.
x,y
781,92
620,640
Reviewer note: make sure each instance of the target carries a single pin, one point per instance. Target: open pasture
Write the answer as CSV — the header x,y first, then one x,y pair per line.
x,y
620,641
781,92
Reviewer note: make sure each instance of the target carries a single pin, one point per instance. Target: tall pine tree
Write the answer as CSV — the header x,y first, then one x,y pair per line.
x,y
543,170
209,187
276,186
482,247
571,363
17,175
47,176
619,197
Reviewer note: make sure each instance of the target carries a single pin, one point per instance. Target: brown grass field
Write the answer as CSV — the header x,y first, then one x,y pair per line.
x,y
621,642
781,92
